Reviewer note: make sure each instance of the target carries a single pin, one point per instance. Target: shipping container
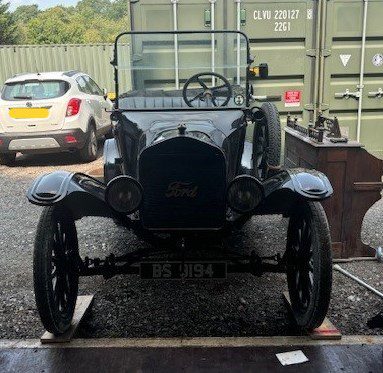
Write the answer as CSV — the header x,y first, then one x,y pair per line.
x,y
323,55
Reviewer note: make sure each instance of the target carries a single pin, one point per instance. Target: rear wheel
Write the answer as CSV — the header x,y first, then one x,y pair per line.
x,y
309,264
7,159
89,152
54,269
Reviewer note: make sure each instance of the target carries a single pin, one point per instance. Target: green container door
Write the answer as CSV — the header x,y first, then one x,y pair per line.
x,y
153,15
341,90
282,34
313,48
173,15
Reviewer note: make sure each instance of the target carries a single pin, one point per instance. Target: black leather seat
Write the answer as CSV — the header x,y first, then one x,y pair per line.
x,y
163,102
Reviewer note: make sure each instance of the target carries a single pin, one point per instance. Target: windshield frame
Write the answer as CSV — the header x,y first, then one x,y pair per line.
x,y
249,61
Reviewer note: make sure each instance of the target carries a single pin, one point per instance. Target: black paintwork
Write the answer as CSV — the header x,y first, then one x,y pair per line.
x,y
202,148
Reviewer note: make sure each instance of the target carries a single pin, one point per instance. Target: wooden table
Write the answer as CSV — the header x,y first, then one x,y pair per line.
x,y
356,177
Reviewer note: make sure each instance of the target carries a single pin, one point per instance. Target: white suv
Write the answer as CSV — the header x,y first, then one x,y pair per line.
x,y
52,112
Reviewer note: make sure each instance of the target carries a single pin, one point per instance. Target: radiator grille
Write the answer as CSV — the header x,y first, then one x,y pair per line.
x,y
184,182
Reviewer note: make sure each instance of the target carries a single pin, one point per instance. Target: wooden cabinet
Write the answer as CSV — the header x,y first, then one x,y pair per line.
x,y
356,177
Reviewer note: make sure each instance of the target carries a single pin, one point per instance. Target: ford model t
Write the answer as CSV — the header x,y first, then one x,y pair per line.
x,y
180,171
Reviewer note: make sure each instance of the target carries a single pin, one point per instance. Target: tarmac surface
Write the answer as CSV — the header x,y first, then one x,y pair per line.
x,y
352,355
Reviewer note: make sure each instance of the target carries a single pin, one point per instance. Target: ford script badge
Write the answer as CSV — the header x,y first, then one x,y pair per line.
x,y
179,189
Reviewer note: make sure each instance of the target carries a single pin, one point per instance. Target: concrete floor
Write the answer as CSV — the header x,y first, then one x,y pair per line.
x,y
352,354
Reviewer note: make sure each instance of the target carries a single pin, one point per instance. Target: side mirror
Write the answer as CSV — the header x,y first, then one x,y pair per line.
x,y
261,71
105,93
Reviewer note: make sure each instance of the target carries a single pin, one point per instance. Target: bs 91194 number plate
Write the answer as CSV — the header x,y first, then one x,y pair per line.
x,y
179,270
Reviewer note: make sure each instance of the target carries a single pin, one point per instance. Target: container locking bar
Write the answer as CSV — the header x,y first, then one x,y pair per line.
x,y
378,93
347,94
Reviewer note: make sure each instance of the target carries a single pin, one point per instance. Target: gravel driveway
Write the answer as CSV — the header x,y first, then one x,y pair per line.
x,y
124,306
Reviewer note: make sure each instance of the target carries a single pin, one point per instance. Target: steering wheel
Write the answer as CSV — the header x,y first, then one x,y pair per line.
x,y
206,93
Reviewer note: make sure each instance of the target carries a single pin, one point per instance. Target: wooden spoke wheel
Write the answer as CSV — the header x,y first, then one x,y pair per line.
x,y
55,270
309,264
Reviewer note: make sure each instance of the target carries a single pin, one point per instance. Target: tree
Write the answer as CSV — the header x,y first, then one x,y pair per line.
x,y
24,13
56,26
8,31
118,9
92,8
90,21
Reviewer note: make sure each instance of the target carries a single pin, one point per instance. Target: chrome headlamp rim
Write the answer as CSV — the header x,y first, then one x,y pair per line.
x,y
119,179
238,179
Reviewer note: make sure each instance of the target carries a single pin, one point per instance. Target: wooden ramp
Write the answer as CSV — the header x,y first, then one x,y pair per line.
x,y
327,331
83,304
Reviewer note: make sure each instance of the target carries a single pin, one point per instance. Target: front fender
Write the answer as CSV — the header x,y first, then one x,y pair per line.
x,y
284,189
82,194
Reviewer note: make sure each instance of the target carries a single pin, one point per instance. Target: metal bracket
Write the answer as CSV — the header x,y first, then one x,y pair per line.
x,y
207,17
347,94
309,107
326,52
324,106
378,93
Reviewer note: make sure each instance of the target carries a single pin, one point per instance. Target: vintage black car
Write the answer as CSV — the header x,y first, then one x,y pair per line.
x,y
179,172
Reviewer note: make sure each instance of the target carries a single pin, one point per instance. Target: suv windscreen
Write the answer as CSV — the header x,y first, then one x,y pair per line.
x,y
34,90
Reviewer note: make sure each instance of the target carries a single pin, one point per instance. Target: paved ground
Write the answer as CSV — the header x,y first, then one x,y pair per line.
x,y
127,307
247,355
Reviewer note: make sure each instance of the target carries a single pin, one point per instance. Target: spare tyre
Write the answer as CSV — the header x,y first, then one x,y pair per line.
x,y
266,140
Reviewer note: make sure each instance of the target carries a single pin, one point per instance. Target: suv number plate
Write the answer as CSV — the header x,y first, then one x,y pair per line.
x,y
179,270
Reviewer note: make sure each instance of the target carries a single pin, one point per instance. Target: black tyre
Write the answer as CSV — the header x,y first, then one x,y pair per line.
x,y
309,264
266,140
89,152
273,132
7,159
54,269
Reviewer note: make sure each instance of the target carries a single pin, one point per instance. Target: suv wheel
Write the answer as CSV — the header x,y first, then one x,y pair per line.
x,y
89,152
7,159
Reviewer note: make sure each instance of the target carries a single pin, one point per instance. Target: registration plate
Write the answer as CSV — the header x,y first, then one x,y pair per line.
x,y
28,113
186,270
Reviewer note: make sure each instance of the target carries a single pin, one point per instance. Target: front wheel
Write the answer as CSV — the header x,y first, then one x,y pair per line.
x,y
54,269
309,264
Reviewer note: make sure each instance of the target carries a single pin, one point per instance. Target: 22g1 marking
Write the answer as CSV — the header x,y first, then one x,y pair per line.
x,y
283,18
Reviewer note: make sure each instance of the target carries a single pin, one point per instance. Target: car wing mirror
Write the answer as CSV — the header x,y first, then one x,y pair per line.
x,y
261,71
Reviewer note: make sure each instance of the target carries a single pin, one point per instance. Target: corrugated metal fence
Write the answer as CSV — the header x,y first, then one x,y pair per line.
x,y
93,59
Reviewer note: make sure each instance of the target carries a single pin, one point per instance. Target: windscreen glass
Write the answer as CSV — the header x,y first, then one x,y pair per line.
x,y
160,65
34,90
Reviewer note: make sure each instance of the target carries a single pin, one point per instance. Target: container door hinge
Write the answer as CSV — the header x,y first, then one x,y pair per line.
x,y
326,52
324,107
207,18
242,16
311,52
309,107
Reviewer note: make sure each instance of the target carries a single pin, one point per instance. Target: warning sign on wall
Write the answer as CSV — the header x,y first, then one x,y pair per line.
x,y
293,98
